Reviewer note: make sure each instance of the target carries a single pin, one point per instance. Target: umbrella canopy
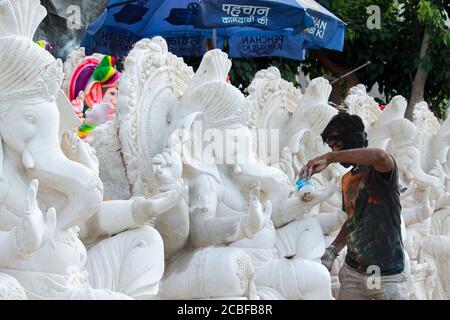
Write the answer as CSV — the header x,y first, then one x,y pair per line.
x,y
247,41
321,28
186,25
123,23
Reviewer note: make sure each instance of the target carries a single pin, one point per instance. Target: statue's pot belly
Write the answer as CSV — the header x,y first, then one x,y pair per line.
x,y
62,255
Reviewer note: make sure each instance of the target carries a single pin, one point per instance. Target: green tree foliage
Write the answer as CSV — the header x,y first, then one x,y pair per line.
x,y
394,49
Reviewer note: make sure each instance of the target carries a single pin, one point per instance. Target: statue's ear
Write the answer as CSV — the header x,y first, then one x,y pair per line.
x,y
67,116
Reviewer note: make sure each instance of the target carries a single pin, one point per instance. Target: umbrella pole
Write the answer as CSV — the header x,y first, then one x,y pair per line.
x,y
214,38
349,73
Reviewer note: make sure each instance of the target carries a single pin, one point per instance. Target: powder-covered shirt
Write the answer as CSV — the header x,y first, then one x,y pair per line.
x,y
371,200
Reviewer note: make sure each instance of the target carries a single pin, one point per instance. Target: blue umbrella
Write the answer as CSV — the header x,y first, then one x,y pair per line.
x,y
123,23
321,28
250,41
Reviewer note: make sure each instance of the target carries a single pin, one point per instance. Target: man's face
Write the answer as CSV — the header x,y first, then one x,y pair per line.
x,y
336,144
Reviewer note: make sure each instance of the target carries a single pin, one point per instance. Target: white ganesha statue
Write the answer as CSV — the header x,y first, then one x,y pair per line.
x,y
44,166
235,234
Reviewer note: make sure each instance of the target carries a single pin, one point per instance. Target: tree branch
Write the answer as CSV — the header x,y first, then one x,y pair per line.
x,y
420,80
336,70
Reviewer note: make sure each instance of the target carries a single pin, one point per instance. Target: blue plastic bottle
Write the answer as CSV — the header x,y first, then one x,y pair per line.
x,y
304,184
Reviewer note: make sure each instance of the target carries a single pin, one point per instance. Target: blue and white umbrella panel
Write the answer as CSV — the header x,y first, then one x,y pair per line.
x,y
257,28
261,43
321,28
123,23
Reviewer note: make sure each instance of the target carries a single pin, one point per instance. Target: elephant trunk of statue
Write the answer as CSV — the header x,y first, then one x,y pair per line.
x,y
78,183
31,132
422,179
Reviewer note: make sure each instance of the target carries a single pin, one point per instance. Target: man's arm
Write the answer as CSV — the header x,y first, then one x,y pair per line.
x,y
341,239
333,250
377,158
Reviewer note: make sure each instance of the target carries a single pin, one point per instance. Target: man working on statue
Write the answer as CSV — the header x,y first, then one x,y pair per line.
x,y
371,199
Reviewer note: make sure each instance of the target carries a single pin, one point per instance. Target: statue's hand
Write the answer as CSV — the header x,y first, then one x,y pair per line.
x,y
438,171
257,218
166,169
79,151
177,191
78,103
36,228
311,199
168,166
427,208
99,114
146,208
286,164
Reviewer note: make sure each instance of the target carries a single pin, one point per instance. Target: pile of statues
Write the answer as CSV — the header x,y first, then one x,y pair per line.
x,y
188,192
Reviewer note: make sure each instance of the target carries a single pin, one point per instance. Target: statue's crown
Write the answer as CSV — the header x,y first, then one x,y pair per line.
x,y
26,70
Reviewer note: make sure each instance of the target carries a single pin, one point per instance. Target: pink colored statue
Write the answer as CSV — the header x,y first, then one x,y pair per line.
x,y
93,92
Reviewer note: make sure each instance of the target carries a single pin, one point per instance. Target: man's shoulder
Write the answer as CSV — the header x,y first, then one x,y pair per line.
x,y
389,177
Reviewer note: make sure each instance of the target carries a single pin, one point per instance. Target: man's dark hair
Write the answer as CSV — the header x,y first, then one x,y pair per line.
x,y
347,128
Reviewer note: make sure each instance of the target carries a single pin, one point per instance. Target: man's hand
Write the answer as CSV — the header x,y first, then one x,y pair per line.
x,y
328,258
314,166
